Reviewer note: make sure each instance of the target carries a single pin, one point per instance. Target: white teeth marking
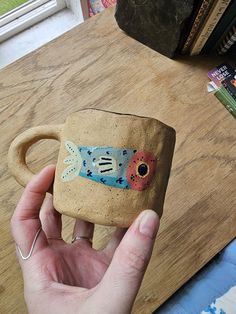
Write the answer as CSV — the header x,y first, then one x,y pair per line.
x,y
106,165
69,173
69,160
74,160
72,148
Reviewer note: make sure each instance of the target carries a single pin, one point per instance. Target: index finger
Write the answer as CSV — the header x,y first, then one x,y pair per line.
x,y
25,221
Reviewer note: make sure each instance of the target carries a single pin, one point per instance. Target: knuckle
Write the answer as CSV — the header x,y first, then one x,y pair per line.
x,y
134,261
46,213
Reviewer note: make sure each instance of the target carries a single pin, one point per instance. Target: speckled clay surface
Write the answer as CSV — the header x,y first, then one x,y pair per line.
x,y
110,166
99,203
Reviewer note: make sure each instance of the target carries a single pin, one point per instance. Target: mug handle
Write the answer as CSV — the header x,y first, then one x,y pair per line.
x,y
18,149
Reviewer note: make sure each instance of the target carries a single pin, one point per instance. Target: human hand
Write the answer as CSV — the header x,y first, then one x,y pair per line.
x,y
75,278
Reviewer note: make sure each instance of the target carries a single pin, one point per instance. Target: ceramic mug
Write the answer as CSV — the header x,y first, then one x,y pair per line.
x,y
110,167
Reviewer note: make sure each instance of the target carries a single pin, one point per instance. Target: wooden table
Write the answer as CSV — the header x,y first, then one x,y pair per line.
x,y
97,65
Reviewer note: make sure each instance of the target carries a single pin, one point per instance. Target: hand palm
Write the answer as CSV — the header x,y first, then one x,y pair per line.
x,y
68,269
74,264
71,278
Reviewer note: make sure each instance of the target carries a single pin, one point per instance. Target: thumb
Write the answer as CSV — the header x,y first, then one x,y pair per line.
x,y
123,278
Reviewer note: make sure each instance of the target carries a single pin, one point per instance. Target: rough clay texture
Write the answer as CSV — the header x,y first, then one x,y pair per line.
x,y
155,23
101,204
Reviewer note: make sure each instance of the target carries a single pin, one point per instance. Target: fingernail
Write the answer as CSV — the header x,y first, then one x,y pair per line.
x,y
149,224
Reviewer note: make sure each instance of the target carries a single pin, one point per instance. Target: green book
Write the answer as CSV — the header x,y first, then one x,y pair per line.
x,y
227,100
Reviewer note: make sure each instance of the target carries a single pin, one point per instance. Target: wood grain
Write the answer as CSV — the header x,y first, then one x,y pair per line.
x,y
97,65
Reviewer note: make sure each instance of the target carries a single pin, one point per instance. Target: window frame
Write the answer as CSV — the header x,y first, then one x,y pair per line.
x,y
27,15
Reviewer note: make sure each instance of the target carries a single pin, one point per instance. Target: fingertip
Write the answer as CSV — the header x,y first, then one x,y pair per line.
x,y
50,169
42,180
46,171
147,223
149,211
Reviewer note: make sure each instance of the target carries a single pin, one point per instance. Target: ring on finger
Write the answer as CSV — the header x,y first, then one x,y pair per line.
x,y
76,238
54,238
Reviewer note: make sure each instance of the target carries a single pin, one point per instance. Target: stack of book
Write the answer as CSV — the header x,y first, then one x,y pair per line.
x,y
223,84
212,28
210,25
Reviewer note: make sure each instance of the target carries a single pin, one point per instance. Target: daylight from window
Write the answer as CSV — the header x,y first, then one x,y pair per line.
x,y
9,5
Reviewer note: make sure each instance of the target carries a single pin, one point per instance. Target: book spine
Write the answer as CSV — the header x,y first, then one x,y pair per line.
x,y
198,22
227,21
232,50
230,93
214,16
226,100
226,31
228,41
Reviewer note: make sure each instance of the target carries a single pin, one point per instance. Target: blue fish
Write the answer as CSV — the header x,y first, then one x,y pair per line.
x,y
116,167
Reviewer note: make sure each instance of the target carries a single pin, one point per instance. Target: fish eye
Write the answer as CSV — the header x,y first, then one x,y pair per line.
x,y
142,170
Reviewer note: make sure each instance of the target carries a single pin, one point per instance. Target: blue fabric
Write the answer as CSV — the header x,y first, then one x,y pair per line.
x,y
210,283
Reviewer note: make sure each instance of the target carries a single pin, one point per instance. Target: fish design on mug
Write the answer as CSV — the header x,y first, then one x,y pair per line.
x,y
123,168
